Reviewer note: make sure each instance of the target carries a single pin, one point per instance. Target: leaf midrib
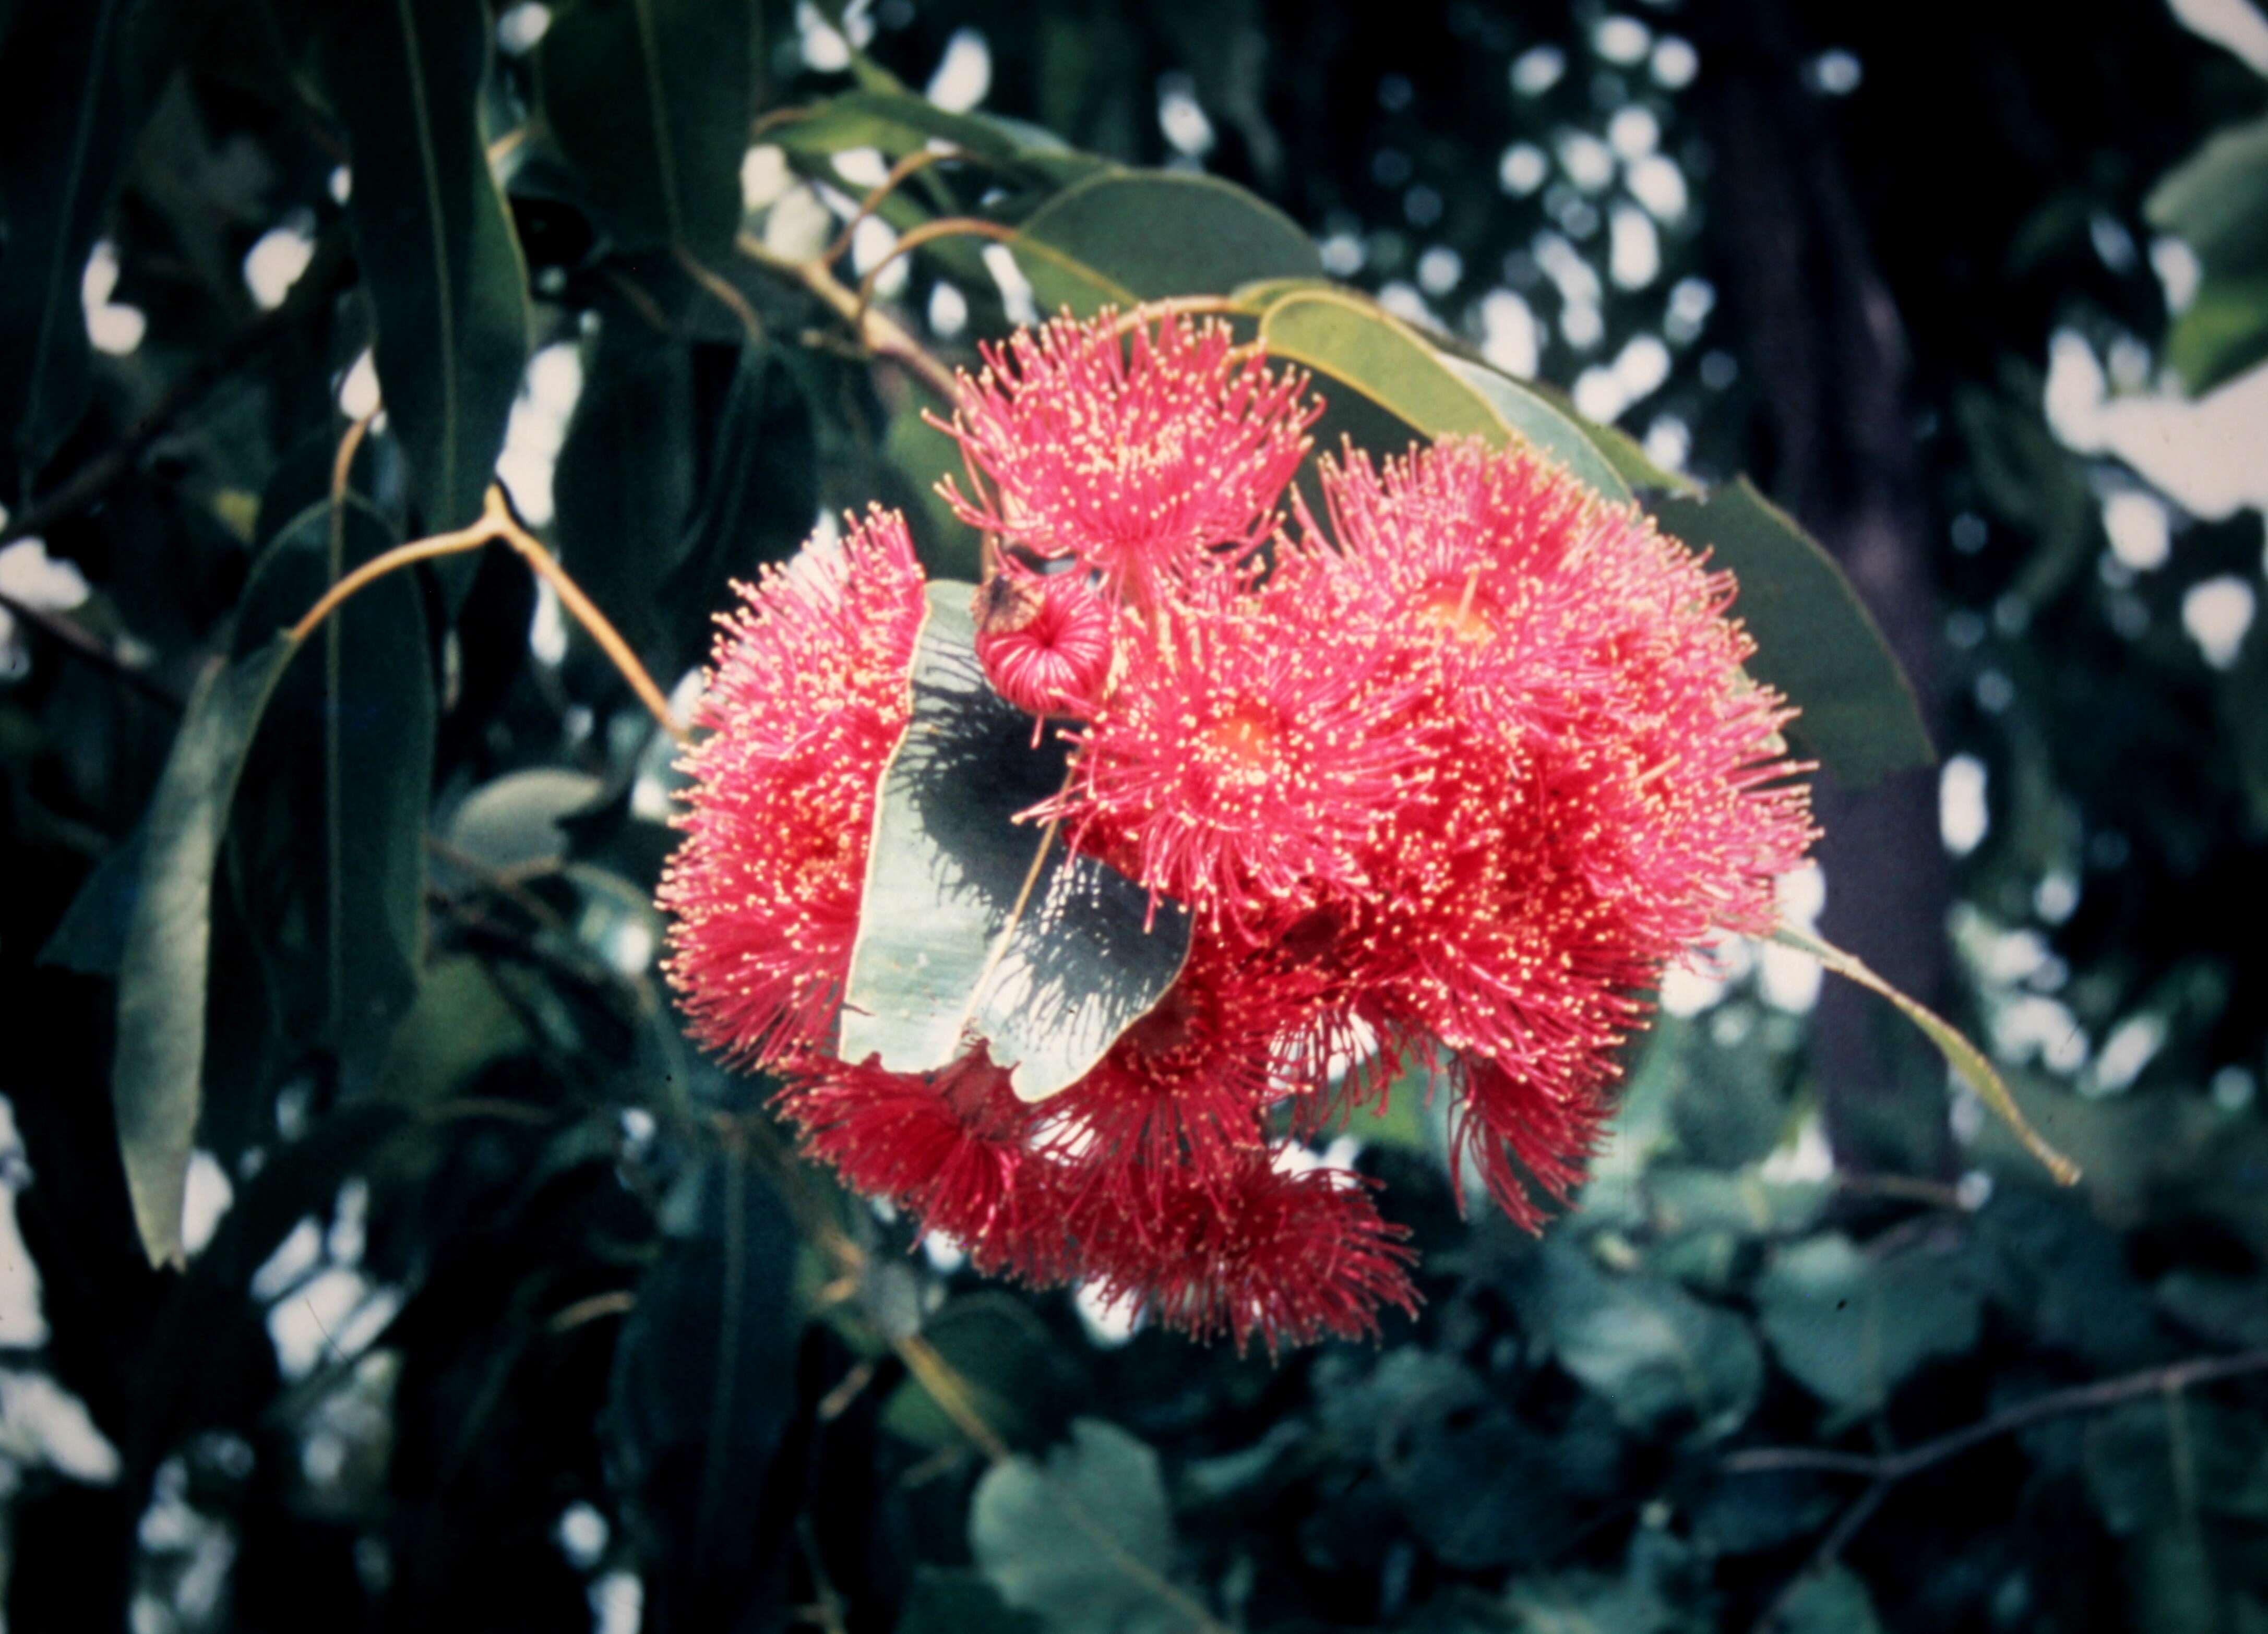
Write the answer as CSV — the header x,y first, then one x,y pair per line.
x,y
444,295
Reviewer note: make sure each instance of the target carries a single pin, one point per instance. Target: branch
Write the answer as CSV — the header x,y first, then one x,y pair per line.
x,y
97,476
919,159
880,334
954,1394
1892,1466
498,525
76,638
928,232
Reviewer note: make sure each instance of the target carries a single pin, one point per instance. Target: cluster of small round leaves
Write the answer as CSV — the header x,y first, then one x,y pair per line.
x,y
1444,781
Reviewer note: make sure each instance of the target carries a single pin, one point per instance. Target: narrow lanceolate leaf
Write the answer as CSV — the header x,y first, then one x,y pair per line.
x,y
1815,640
625,478
155,1074
703,1389
70,106
651,100
328,836
1125,236
895,123
1353,345
963,936
447,288
1969,1062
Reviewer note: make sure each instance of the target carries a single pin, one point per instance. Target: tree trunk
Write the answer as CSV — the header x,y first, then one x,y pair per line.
x,y
1821,344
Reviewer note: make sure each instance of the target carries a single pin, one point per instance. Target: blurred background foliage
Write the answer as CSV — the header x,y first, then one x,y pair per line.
x,y
503,1310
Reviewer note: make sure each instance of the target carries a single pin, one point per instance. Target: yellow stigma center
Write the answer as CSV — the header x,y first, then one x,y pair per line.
x,y
1244,742
1449,607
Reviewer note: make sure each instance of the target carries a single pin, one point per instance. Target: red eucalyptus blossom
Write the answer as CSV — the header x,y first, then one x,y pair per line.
x,y
1044,640
805,699
1255,754
1267,1249
1132,447
1445,782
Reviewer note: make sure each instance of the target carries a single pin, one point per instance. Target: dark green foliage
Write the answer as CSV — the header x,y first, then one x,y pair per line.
x,y
518,1304
2218,203
445,278
650,101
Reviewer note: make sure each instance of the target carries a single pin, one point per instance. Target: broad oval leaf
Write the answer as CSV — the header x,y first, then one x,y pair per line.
x,y
1126,236
1537,423
447,288
1652,1350
164,972
1815,641
650,99
1014,1375
1339,337
514,822
959,937
1852,1328
1086,1540
1343,338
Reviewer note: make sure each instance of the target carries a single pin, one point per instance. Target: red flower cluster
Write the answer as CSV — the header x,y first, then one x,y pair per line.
x,y
1445,779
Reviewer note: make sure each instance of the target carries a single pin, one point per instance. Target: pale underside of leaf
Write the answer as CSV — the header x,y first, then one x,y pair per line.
x,y
974,927
158,1068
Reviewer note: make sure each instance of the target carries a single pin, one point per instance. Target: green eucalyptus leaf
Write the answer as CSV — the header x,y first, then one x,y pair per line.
x,y
1968,1064
2217,200
1741,1202
1084,1540
1483,1488
758,493
1347,340
1018,1379
165,971
650,101
1852,1328
703,1390
958,1600
1652,1350
1121,237
515,822
437,255
327,838
90,937
944,955
2222,333
1533,421
897,122
1831,1599
73,95
1343,337
624,483
1815,641
461,1025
